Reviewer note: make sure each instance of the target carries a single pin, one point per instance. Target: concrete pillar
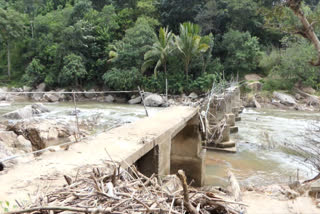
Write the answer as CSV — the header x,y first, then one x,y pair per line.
x,y
221,108
231,119
157,160
164,157
187,153
226,133
149,163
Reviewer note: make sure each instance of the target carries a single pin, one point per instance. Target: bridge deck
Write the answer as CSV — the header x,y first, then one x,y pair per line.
x,y
125,144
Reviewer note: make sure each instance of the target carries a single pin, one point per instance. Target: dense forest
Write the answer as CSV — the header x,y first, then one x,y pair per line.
x,y
121,44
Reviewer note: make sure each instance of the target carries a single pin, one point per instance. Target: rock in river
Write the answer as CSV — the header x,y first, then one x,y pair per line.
x,y
51,97
136,100
285,99
41,132
27,112
154,100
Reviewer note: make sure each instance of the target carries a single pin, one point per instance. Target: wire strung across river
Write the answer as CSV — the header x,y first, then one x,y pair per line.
x,y
68,92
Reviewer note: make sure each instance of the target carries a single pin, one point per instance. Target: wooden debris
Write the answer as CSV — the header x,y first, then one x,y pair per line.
x,y
68,179
105,191
186,200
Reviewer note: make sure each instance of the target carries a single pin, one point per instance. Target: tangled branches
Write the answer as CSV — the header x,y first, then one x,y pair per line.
x,y
128,191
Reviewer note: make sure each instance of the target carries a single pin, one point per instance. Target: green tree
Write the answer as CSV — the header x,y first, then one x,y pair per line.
x,y
131,49
172,13
242,52
79,10
124,79
11,28
189,44
34,74
160,51
73,70
290,64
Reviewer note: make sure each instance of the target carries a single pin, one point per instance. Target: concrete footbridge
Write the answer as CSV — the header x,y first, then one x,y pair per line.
x,y
161,144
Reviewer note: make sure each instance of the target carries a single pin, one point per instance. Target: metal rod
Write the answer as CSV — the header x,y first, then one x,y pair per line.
x,y
167,91
76,115
145,108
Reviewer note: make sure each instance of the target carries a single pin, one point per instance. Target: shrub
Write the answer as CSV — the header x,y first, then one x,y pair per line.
x,y
73,70
291,65
242,52
118,79
277,84
34,74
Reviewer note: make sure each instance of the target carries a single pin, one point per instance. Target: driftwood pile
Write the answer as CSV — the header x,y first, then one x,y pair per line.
x,y
129,191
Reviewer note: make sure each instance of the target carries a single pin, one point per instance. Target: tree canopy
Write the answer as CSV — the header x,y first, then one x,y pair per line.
x,y
85,43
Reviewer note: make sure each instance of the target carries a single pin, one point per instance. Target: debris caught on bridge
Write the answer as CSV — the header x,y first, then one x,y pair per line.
x,y
115,190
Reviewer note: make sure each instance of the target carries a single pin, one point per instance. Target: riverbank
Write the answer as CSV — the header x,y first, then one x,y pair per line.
x,y
298,98
256,120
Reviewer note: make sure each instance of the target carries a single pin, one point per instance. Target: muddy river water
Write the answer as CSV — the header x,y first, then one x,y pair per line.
x,y
261,157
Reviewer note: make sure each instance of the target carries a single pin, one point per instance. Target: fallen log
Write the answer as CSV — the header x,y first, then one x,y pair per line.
x,y
191,209
312,99
256,103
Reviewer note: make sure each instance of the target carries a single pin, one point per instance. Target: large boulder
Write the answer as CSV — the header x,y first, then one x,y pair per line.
x,y
26,88
6,152
23,144
38,96
16,89
41,133
41,87
154,100
254,86
23,113
27,112
146,94
136,100
252,77
61,95
3,94
91,94
285,99
10,139
109,99
39,108
193,95
51,97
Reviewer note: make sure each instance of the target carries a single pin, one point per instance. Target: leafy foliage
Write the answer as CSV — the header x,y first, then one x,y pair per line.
x,y
242,52
34,73
189,43
128,79
97,43
291,64
73,70
131,49
160,51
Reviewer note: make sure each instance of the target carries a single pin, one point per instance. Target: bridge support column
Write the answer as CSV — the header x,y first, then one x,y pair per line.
x,y
164,157
187,152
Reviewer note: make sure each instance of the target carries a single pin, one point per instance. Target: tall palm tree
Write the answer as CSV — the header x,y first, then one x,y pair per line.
x,y
159,52
189,43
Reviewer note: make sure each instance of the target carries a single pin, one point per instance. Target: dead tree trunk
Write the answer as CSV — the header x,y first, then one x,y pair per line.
x,y
308,31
